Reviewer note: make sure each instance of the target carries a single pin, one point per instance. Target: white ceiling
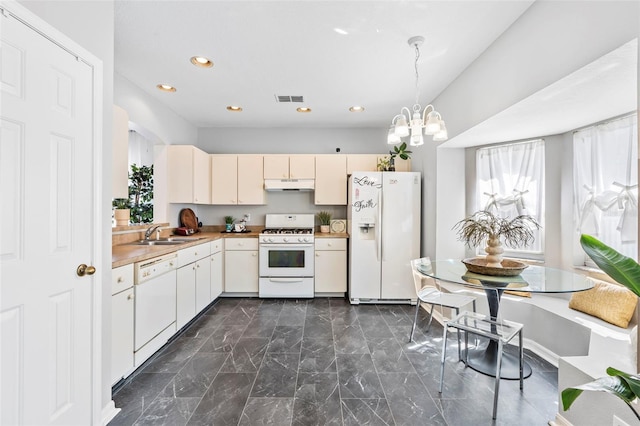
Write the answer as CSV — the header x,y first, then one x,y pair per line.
x,y
605,88
266,48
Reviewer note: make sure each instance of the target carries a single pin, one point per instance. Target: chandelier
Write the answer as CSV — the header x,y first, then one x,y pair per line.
x,y
407,123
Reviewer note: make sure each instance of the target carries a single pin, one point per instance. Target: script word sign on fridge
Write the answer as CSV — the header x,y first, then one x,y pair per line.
x,y
383,213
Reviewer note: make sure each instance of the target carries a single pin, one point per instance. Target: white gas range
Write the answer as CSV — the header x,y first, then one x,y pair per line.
x,y
286,250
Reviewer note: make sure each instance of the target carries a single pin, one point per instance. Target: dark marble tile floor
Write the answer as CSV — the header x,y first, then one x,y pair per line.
x,y
321,362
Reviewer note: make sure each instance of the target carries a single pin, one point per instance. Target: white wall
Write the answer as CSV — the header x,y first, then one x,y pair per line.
x,y
91,25
549,41
450,201
167,126
292,140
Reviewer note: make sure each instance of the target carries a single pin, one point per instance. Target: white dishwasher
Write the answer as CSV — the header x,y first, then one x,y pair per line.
x,y
155,305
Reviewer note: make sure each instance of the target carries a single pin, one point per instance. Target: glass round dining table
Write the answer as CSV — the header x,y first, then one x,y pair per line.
x,y
534,279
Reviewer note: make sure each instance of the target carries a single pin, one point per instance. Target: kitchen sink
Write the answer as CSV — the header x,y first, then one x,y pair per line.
x,y
170,241
156,243
181,239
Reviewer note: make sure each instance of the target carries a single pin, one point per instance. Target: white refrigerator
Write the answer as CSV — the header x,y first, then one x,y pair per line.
x,y
383,216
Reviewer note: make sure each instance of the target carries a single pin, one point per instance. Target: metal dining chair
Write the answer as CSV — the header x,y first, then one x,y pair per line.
x,y
500,331
431,295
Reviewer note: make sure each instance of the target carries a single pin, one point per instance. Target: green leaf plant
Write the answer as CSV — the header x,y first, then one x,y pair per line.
x,y
400,151
625,271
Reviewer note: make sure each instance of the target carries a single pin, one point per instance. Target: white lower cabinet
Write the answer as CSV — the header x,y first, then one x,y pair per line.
x,y
186,295
217,270
241,265
203,283
122,310
331,265
193,284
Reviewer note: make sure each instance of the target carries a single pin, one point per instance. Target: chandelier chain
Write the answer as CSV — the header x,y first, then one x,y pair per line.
x,y
417,74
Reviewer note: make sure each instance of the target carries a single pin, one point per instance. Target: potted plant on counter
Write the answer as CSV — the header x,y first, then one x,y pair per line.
x,y
228,221
325,220
122,211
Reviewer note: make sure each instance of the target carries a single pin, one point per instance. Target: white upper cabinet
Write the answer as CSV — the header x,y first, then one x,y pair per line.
x,y
237,179
276,167
250,180
289,166
201,177
331,179
188,175
362,163
224,179
302,166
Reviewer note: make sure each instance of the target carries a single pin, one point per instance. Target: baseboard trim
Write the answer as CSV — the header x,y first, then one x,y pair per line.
x,y
109,412
560,421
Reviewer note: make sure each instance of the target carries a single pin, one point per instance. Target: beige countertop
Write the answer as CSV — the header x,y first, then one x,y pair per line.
x,y
124,254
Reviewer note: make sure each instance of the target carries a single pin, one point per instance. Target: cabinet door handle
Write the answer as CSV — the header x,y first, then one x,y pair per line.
x,y
317,254
198,265
130,296
253,254
120,279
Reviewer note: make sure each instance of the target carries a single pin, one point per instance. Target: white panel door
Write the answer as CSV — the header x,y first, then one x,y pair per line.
x,y
400,233
46,176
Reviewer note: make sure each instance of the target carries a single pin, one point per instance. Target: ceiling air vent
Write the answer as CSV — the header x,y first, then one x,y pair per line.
x,y
288,98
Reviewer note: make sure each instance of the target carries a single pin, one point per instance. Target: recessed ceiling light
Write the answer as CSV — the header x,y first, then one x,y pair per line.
x,y
201,62
166,88
356,108
234,108
303,109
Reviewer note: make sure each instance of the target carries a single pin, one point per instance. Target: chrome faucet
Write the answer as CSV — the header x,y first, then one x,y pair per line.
x,y
150,230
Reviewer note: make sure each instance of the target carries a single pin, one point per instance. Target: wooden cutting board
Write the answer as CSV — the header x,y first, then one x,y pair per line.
x,y
188,219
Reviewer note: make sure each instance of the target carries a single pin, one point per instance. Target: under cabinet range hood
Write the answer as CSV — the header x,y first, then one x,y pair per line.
x,y
289,184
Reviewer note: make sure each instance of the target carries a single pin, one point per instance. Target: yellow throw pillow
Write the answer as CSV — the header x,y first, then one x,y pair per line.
x,y
612,303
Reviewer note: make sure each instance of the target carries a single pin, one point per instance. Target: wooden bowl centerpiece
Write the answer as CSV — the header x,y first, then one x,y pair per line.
x,y
510,268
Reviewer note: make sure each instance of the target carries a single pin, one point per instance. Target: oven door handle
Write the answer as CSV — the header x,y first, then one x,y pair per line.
x,y
286,280
285,246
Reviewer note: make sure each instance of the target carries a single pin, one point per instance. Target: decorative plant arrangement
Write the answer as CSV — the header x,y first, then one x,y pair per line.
x,y
383,164
484,225
387,164
325,220
625,271
228,220
400,151
141,193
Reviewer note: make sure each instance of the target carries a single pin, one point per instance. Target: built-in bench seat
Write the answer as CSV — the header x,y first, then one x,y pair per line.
x,y
580,345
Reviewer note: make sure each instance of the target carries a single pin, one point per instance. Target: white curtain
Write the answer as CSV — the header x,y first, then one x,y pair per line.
x,y
140,150
605,172
510,182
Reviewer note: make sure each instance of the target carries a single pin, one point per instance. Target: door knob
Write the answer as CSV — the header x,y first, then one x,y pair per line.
x,y
85,270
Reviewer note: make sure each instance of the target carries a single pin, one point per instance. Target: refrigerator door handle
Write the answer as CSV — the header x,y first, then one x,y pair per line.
x,y
378,226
